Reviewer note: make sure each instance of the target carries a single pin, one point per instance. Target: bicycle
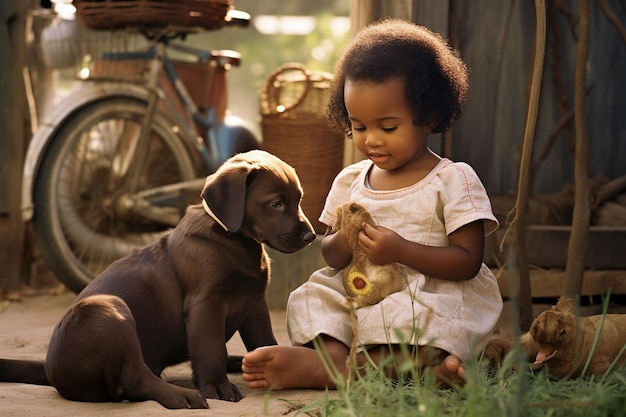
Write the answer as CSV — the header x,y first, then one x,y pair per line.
x,y
117,163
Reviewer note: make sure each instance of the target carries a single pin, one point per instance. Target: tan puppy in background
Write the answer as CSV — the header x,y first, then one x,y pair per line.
x,y
561,341
365,282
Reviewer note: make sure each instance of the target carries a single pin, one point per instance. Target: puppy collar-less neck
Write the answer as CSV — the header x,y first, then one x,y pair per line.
x,y
210,213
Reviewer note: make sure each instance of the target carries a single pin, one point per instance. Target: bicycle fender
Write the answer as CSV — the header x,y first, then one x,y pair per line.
x,y
53,120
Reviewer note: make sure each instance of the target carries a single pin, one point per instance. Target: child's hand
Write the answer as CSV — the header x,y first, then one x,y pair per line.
x,y
381,245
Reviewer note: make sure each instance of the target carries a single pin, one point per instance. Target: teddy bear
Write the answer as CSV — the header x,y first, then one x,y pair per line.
x,y
366,283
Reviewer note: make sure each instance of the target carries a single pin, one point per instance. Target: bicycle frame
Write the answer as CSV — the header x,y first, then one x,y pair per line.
x,y
160,63
221,60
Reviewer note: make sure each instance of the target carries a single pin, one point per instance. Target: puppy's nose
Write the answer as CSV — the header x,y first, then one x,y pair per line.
x,y
308,237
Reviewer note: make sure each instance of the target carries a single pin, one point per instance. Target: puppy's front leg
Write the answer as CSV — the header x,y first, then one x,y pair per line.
x,y
256,329
207,351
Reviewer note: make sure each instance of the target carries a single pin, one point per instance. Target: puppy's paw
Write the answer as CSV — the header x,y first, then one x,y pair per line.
x,y
497,348
226,391
179,397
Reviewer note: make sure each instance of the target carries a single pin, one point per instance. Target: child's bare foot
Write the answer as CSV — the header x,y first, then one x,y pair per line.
x,y
450,371
280,367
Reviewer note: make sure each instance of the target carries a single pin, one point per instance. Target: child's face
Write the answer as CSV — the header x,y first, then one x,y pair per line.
x,y
382,123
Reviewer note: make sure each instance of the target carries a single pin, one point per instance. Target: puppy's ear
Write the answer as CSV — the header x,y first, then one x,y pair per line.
x,y
225,195
565,304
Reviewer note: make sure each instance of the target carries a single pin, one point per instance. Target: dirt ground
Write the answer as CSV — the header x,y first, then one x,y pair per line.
x,y
25,328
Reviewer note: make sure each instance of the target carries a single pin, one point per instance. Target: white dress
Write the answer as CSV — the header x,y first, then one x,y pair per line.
x,y
456,316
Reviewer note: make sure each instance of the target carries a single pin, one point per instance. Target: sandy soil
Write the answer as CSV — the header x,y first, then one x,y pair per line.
x,y
25,328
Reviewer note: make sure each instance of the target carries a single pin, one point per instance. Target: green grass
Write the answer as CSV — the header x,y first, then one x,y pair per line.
x,y
501,392
511,390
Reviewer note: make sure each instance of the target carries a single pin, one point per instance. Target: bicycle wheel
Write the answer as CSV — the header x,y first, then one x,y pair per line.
x,y
80,222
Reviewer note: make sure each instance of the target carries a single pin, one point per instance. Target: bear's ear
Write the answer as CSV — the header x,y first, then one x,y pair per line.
x,y
565,304
337,224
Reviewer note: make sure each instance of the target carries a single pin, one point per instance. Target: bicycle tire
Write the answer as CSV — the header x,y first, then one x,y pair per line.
x,y
77,233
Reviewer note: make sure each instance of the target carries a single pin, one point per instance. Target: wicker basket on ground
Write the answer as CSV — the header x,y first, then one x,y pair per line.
x,y
294,127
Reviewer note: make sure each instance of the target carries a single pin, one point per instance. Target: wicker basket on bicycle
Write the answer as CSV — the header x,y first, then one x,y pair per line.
x,y
116,14
295,128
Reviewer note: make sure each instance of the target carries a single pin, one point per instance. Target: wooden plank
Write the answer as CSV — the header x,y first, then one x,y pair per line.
x,y
291,270
12,141
549,244
547,247
551,283
432,13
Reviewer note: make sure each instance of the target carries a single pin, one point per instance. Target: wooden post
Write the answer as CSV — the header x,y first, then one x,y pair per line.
x,y
577,248
521,205
14,122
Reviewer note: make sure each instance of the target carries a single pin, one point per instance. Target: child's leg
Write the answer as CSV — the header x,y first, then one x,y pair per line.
x,y
281,367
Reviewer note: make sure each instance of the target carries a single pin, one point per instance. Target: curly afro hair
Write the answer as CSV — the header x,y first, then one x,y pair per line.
x,y
437,80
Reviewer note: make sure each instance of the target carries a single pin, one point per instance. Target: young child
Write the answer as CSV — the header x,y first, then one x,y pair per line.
x,y
395,83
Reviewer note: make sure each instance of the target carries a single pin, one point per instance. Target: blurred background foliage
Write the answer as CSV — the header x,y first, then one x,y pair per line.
x,y
264,52
306,32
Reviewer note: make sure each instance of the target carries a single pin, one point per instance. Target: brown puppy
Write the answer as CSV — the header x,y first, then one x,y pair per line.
x,y
365,282
180,298
562,342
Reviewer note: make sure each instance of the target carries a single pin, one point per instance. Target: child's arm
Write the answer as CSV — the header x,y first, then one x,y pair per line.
x,y
458,261
336,250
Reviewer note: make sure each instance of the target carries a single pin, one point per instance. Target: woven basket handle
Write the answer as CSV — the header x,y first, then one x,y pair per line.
x,y
266,107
